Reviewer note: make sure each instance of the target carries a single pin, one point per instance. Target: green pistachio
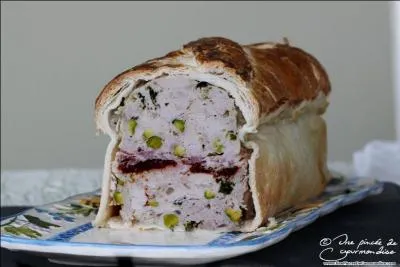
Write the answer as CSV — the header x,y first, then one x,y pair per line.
x,y
132,126
208,194
218,146
120,182
147,134
179,151
152,203
179,124
171,220
154,142
226,113
118,198
231,135
234,215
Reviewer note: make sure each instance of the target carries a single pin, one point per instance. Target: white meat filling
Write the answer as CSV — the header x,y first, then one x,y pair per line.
x,y
178,119
207,114
194,197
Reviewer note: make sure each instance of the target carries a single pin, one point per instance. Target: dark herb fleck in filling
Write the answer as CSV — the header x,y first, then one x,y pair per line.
x,y
122,102
153,95
191,225
142,100
202,84
179,201
226,187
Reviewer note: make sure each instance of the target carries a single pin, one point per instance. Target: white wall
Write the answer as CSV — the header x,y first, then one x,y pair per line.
x,y
395,26
56,56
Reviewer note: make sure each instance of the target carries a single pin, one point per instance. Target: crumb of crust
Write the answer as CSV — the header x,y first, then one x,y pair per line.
x,y
272,222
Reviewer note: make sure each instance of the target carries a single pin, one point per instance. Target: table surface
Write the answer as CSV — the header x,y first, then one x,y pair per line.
x,y
374,218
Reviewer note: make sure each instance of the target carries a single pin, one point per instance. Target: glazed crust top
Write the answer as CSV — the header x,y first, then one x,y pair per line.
x,y
277,74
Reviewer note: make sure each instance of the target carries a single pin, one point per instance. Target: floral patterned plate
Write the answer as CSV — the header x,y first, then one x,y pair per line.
x,y
63,231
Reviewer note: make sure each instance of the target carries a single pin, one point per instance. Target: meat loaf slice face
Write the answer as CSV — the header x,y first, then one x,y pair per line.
x,y
179,157
176,117
217,136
